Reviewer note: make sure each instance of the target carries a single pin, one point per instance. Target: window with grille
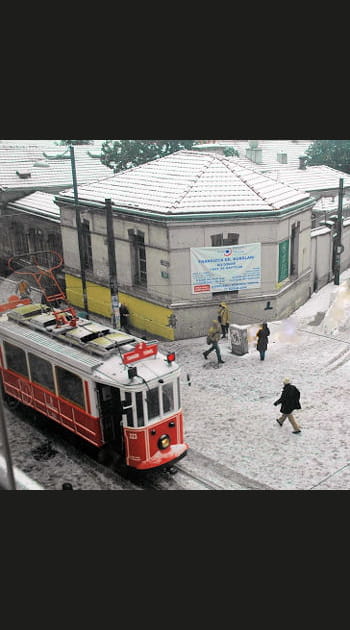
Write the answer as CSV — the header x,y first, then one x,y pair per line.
x,y
218,240
85,227
36,241
18,238
138,257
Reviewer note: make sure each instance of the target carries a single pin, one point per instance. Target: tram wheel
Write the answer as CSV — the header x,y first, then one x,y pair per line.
x,y
11,403
104,455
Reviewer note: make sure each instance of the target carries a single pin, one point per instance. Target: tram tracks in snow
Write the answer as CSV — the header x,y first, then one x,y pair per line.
x,y
51,457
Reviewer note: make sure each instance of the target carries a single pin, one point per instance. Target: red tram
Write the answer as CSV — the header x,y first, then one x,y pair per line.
x,y
112,389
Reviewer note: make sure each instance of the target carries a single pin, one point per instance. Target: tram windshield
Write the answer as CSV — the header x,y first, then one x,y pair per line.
x,y
151,404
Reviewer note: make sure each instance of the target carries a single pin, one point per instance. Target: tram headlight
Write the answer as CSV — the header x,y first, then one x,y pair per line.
x,y
164,441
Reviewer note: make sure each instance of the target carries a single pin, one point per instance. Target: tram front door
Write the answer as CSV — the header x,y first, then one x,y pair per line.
x,y
111,414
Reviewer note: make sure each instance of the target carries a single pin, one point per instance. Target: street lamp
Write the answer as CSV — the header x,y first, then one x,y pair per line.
x,y
79,231
337,242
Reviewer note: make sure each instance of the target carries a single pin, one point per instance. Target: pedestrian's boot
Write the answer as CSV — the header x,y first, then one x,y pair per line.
x,y
205,355
221,361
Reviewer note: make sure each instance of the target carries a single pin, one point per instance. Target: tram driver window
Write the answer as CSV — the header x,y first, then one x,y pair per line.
x,y
129,412
168,397
153,403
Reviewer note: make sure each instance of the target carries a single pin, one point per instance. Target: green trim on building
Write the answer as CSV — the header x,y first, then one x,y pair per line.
x,y
193,217
283,260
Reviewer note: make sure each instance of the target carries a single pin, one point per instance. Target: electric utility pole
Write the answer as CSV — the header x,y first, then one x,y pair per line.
x,y
113,283
79,231
339,248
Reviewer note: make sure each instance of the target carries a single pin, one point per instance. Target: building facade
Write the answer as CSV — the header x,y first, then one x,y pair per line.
x,y
164,209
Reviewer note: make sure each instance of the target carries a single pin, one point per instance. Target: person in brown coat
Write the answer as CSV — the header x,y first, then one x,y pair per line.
x,y
23,288
223,318
289,400
213,339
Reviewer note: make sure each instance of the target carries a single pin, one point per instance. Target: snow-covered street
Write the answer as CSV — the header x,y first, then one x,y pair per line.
x,y
229,412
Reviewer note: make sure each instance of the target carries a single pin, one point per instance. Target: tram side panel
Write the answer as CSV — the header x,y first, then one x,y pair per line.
x,y
18,383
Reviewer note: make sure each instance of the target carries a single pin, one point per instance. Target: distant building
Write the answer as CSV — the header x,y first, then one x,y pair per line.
x,y
28,174
286,162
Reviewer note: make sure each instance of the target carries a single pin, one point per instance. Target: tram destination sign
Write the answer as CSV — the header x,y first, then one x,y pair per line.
x,y
141,351
229,268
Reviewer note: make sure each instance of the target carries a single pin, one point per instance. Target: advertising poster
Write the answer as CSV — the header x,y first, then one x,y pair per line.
x,y
233,268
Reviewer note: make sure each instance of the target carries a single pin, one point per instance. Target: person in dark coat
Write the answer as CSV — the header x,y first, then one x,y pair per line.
x,y
262,337
124,317
289,400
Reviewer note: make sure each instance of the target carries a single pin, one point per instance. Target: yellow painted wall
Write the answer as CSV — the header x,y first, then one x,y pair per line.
x,y
144,315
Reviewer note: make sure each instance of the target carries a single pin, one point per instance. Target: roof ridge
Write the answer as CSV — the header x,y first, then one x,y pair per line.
x,y
228,162
195,179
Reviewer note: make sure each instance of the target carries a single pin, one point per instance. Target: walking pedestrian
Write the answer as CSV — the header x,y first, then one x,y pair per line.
x,y
213,340
262,337
223,318
124,317
289,400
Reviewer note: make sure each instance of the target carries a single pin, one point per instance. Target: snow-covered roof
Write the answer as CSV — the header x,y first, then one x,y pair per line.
x,y
38,203
191,182
270,149
312,178
38,166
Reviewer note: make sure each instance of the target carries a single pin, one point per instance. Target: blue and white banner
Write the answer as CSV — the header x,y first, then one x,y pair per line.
x,y
232,268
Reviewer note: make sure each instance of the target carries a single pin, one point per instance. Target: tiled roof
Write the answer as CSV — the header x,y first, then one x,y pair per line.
x,y
38,203
191,182
312,178
270,149
46,169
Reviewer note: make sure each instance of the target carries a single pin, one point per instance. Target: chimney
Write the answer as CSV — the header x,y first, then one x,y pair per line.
x,y
282,158
254,153
302,160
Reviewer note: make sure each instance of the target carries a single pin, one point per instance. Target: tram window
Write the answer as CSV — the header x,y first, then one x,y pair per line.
x,y
16,359
178,394
139,409
168,397
70,386
41,372
129,412
153,403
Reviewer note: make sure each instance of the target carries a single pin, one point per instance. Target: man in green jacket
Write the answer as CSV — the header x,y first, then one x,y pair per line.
x,y
213,340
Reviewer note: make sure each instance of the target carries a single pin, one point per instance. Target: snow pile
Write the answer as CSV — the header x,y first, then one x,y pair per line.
x,y
337,317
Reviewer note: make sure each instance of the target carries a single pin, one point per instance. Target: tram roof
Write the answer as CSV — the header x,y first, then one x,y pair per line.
x,y
75,357
89,346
